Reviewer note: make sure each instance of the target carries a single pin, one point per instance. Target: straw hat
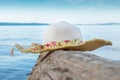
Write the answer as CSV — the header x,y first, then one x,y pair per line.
x,y
65,36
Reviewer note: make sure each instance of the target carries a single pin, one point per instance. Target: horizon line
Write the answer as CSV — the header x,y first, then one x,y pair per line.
x,y
38,23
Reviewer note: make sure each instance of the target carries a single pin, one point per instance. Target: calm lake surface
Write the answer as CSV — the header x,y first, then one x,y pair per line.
x,y
17,67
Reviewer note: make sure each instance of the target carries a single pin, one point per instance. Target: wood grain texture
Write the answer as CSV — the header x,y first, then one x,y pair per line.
x,y
75,65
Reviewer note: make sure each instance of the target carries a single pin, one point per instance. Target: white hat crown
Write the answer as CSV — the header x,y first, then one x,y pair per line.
x,y
61,31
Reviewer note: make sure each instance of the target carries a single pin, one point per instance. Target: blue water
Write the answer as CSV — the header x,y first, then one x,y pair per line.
x,y
17,67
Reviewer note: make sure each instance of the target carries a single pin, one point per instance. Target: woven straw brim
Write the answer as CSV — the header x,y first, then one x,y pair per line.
x,y
86,46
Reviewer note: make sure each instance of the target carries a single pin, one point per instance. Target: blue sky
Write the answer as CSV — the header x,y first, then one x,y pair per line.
x,y
75,11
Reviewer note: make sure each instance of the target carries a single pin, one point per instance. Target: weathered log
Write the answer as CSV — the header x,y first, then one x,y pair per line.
x,y
75,65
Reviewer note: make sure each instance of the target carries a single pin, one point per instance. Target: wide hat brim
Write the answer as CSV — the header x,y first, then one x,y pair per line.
x,y
70,45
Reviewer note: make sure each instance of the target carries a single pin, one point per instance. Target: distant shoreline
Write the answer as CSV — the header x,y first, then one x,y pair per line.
x,y
21,24
37,24
102,24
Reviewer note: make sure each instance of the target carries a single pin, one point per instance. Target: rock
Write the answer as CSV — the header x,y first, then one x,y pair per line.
x,y
75,65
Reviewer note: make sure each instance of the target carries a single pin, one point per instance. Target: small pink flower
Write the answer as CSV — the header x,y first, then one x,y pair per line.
x,y
34,49
81,41
53,43
48,45
66,41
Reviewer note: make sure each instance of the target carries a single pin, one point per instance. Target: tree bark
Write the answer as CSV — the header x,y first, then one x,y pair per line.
x,y
75,65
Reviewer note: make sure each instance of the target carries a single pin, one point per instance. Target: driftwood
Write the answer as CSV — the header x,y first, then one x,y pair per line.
x,y
75,65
